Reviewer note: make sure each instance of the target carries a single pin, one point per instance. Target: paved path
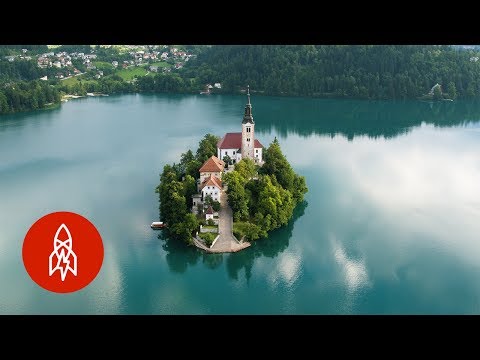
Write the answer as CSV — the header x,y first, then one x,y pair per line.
x,y
226,241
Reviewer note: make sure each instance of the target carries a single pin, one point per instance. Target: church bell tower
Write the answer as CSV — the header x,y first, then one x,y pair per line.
x,y
248,126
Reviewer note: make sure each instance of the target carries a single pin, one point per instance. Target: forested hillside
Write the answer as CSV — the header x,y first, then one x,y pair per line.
x,y
357,71
346,71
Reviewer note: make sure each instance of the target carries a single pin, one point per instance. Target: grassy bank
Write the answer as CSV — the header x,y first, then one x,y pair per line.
x,y
129,73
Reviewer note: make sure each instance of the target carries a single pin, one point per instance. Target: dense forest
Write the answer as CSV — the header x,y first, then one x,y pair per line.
x,y
23,96
346,71
355,71
178,182
263,198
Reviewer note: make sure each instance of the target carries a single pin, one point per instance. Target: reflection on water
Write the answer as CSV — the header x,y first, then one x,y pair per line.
x,y
270,247
354,270
41,118
180,256
212,261
352,118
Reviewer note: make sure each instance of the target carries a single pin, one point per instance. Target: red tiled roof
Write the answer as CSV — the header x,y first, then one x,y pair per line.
x,y
231,141
213,164
212,181
210,210
234,141
258,144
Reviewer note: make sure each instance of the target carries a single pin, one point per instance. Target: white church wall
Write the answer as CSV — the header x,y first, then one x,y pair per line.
x,y
230,152
258,154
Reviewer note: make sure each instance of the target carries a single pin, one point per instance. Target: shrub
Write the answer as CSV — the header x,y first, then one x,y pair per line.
x,y
210,222
216,206
238,235
208,237
251,231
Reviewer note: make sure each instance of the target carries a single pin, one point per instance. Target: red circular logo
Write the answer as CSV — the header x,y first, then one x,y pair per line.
x,y
62,252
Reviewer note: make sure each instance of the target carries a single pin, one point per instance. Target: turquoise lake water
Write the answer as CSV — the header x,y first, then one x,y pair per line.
x,y
390,225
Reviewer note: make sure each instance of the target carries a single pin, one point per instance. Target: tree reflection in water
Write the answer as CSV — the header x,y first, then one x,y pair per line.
x,y
275,244
180,256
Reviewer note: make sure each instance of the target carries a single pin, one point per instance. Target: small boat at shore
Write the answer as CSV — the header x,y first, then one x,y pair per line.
x,y
96,94
157,225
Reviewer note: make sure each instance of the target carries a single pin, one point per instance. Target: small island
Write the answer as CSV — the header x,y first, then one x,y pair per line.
x,y
231,192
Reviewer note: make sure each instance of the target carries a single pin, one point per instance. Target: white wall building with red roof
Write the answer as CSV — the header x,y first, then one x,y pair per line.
x,y
213,166
211,186
209,213
243,144
236,145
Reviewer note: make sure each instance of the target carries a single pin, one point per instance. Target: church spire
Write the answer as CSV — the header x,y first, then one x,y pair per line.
x,y
248,117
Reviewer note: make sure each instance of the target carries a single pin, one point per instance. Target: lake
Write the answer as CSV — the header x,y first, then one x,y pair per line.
x,y
390,225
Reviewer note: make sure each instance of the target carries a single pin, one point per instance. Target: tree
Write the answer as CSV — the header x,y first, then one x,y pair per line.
x,y
173,205
249,230
227,160
253,231
299,188
452,90
437,93
3,103
276,164
246,168
470,90
186,158
216,206
208,237
190,188
208,201
207,147
275,203
192,168
185,229
237,196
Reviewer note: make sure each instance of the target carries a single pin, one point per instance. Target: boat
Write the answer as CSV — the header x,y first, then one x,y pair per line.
x,y
157,225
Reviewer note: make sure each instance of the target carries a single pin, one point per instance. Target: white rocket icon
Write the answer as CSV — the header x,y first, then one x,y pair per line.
x,y
62,257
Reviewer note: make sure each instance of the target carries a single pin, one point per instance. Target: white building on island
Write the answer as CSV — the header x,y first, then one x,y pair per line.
x,y
211,186
243,144
209,213
210,182
213,166
237,146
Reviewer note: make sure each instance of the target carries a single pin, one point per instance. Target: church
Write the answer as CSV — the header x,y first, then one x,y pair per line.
x,y
240,145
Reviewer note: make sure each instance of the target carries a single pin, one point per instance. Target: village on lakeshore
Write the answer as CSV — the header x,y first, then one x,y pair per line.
x,y
154,58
